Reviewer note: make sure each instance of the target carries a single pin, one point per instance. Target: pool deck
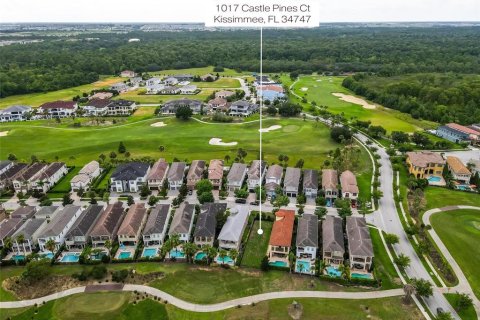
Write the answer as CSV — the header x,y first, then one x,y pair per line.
x,y
151,247
130,249
440,183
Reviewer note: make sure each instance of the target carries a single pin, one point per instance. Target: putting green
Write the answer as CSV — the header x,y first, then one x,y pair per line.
x,y
91,306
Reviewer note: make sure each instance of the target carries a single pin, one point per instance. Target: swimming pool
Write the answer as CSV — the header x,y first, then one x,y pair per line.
x,y
303,266
149,252
224,260
18,257
70,257
434,179
98,256
278,264
176,254
200,256
360,276
464,187
333,272
47,255
124,255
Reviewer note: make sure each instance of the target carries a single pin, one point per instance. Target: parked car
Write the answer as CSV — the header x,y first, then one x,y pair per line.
x,y
255,203
240,200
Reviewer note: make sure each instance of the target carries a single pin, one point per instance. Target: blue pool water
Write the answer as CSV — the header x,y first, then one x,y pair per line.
x,y
149,252
124,255
18,257
333,272
224,260
360,276
302,266
48,255
278,264
434,179
176,254
70,257
464,187
199,256
98,256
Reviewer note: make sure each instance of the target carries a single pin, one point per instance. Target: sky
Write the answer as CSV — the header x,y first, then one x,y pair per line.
x,y
195,10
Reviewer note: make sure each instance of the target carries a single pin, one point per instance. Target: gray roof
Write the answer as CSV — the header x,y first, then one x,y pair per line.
x,y
130,171
4,164
59,221
109,221
234,226
85,221
310,179
159,170
275,171
46,211
196,169
29,228
52,169
292,177
24,212
329,179
183,102
207,219
31,171
157,219
236,172
358,235
176,171
133,222
9,226
16,108
254,171
14,171
307,231
332,234
182,219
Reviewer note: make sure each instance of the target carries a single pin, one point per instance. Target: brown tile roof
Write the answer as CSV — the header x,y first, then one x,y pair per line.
x,y
463,128
31,171
348,182
329,179
270,88
423,158
282,231
59,104
109,220
133,220
217,101
215,169
457,166
195,172
50,170
158,170
225,93
99,103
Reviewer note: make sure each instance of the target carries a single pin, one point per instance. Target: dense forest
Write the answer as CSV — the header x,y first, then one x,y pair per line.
x,y
61,62
438,97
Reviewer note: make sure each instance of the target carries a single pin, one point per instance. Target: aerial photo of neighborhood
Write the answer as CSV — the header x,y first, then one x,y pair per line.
x,y
133,184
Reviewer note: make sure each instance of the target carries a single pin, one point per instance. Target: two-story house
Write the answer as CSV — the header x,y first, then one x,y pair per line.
x,y
348,183
273,180
333,244
360,248
10,174
218,105
156,226
129,233
195,173
175,175
28,231
46,179
15,113
291,183
121,108
236,176
97,107
157,174
242,108
307,243
255,174
215,173
182,222
8,227
78,235
57,109
310,183
23,182
58,227
280,241
458,170
129,177
330,185
230,236
120,87
207,223
172,106
85,176
224,94
424,164
106,227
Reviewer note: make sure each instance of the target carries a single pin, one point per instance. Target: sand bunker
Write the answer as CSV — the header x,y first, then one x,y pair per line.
x,y
3,133
271,128
158,124
218,142
304,89
355,100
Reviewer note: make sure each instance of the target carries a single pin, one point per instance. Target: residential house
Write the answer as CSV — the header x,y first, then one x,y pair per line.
x,y
458,133
120,87
270,92
106,227
230,236
236,176
58,109
78,235
172,106
215,173
28,231
333,244
458,170
5,165
46,179
206,224
423,164
243,108
8,227
129,177
218,104
310,183
97,107
273,179
23,181
157,174
255,174
330,185
15,113
291,183
156,226
129,233
348,183
12,173
224,94
127,74
208,77
47,212
182,222
169,90
25,212
170,81
307,237
136,81
263,81
183,77
188,89
102,95
58,227
155,88
153,81
360,248
175,175
121,108
280,241
85,176
195,173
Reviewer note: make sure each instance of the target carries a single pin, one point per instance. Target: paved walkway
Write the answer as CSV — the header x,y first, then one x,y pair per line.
x,y
211,307
463,285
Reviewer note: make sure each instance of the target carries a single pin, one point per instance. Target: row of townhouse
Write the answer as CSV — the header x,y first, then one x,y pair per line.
x,y
239,108
106,107
457,133
85,176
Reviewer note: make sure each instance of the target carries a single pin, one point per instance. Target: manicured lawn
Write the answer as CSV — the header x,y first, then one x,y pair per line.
x,y
460,232
384,269
320,89
364,176
441,197
256,246
64,184
139,96
221,83
467,314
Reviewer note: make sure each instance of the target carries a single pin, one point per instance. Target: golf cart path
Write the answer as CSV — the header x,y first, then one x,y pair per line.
x,y
463,284
209,307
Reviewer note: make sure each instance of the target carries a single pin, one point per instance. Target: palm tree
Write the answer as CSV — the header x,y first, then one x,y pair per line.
x,y
161,148
167,246
291,260
211,252
8,243
222,254
20,240
175,241
322,265
301,268
108,245
227,158
50,245
403,261
190,249
233,254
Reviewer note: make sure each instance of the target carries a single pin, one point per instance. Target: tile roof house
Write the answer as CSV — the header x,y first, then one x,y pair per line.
x,y
458,133
273,179
243,108
129,177
25,212
215,173
348,183
8,227
291,183
15,113
310,183
236,176
78,235
47,212
47,178
121,108
107,225
224,94
280,241
157,174
156,226
130,230
28,230
423,164
23,182
207,223
360,248
58,109
218,104
458,170
333,244
255,174
7,177
58,227
195,173
188,89
230,236
182,222
307,237
175,175
119,87
85,176
172,106
127,74
330,184
97,107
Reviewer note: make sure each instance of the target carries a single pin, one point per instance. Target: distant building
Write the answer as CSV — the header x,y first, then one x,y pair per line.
x,y
224,94
127,74
119,87
458,133
121,108
172,106
243,108
188,89
58,109
458,170
15,113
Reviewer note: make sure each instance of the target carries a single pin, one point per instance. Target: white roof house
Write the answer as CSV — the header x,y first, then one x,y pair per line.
x,y
231,234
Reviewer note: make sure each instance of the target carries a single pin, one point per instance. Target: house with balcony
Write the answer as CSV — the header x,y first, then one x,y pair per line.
x,y
175,175
280,242
333,244
106,227
15,113
10,174
425,164
129,233
171,107
310,183
120,87
307,243
236,176
97,107
215,173
330,185
273,180
24,181
255,174
121,108
348,183
218,105
195,173
360,248
58,227
85,176
230,236
8,227
129,177
47,178
291,183
57,109
458,170
28,231
156,226
79,234
182,222
243,108
206,225
157,174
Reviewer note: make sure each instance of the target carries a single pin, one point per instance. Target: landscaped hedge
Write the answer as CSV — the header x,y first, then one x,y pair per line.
x,y
354,281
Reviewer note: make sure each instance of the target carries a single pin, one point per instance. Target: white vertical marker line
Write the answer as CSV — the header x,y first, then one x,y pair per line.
x,y
260,231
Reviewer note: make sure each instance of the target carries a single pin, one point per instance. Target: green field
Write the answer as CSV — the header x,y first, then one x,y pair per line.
x,y
460,232
383,267
321,92
467,314
199,72
64,184
256,247
441,197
